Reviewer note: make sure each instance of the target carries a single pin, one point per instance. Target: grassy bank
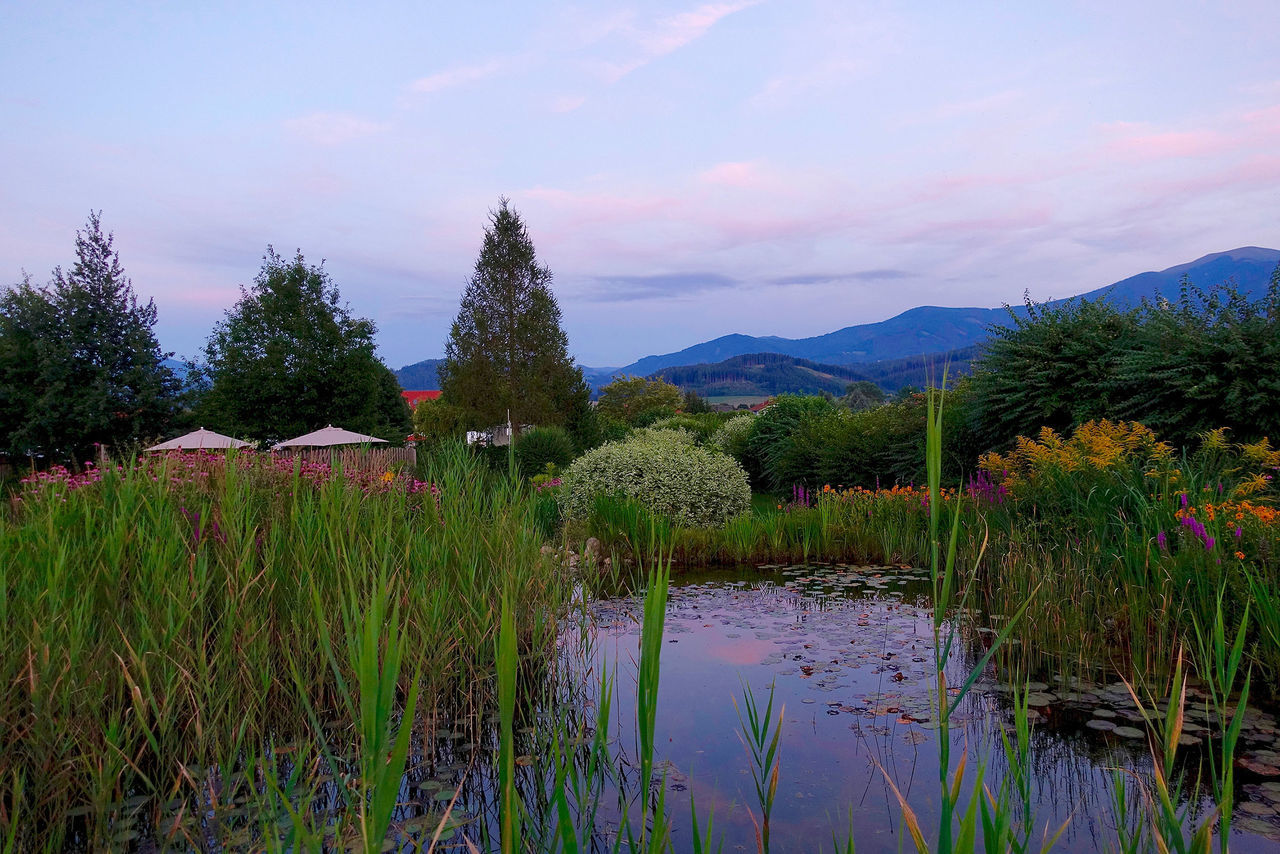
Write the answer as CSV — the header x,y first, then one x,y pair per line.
x,y
1122,544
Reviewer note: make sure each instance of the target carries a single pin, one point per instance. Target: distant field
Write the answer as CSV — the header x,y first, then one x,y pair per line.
x,y
735,399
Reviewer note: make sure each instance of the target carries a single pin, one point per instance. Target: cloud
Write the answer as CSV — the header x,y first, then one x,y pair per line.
x,y
660,286
670,34
567,103
457,76
833,71
333,128
735,174
876,275
677,31
1169,144
995,102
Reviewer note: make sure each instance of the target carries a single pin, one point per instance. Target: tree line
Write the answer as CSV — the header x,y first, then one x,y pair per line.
x,y
81,368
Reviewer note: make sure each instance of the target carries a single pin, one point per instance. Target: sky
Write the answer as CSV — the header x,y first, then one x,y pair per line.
x,y
686,170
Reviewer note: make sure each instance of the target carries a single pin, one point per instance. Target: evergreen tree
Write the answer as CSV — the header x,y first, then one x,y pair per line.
x,y
290,358
694,403
80,362
32,348
862,395
506,353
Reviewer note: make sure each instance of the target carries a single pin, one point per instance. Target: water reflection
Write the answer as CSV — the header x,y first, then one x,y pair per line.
x,y
849,653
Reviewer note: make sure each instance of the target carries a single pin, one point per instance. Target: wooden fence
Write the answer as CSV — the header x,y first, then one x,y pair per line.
x,y
361,459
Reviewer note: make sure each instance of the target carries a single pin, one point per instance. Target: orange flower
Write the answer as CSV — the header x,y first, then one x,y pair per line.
x,y
1239,555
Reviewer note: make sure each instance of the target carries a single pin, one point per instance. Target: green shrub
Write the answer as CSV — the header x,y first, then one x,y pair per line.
x,y
665,472
733,436
546,512
771,449
541,446
436,422
1209,359
703,426
610,430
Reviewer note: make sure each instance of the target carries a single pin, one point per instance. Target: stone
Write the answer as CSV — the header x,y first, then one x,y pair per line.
x,y
591,551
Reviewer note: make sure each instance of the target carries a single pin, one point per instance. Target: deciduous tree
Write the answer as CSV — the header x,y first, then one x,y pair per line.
x,y
636,399
290,358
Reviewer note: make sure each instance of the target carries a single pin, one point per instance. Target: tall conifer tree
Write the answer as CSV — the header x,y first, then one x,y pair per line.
x,y
506,350
86,348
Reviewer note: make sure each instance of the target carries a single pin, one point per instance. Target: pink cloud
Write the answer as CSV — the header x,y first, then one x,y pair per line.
x,y
1008,222
677,31
333,128
1173,144
670,34
457,76
567,103
833,71
1265,120
977,106
735,174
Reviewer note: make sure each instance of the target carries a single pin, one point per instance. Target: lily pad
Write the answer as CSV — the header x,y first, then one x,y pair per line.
x,y
1255,808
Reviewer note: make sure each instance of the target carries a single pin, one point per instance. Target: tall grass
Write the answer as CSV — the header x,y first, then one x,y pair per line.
x,y
187,613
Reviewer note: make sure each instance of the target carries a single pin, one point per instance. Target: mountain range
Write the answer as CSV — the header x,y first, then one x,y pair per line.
x,y
933,329
925,330
767,374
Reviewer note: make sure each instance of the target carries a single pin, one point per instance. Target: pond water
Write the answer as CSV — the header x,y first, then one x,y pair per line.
x,y
848,653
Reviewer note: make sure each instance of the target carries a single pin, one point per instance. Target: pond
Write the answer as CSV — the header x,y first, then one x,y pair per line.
x,y
848,653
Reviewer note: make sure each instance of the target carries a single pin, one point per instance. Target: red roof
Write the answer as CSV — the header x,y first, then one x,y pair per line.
x,y
415,397
762,405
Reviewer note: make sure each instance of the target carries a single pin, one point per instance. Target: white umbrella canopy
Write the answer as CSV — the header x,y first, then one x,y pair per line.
x,y
327,437
199,440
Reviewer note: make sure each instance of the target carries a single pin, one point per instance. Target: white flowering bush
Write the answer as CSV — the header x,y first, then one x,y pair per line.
x,y
668,435
732,436
666,472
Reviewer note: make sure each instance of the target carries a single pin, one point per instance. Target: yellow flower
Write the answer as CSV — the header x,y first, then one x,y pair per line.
x,y
387,477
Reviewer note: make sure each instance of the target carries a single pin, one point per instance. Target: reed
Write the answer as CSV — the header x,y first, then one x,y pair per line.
x,y
166,616
762,750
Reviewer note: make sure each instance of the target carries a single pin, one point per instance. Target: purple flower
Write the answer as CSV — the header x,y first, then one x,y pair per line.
x,y
1208,543
1162,541
1239,532
1184,499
